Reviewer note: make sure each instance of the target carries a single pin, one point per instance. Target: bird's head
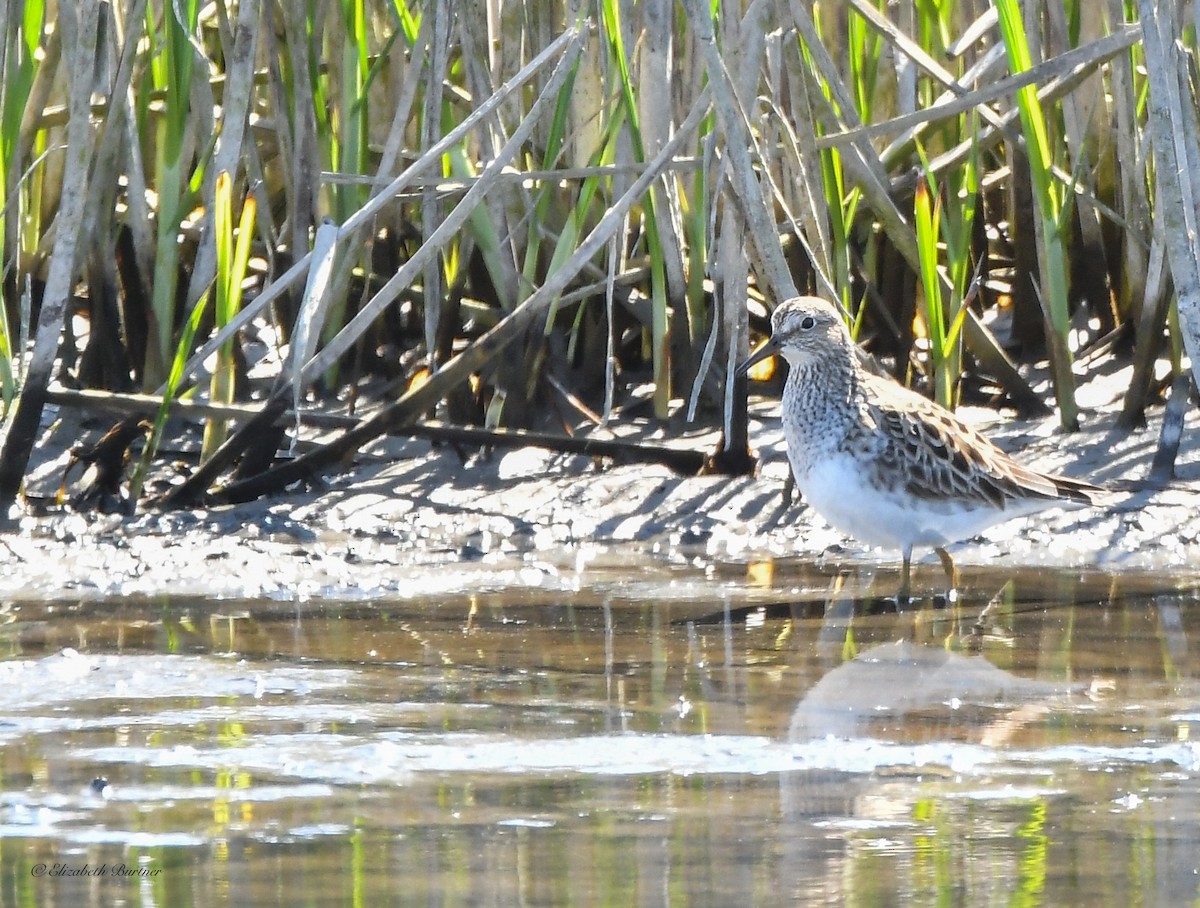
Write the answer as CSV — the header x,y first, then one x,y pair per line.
x,y
803,329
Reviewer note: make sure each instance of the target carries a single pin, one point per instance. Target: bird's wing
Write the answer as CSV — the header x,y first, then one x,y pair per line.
x,y
941,457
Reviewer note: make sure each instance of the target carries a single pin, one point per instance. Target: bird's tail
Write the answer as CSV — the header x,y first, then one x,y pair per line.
x,y
1081,492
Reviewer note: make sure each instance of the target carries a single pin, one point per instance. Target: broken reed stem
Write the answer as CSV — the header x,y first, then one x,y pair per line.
x,y
421,398
79,25
365,215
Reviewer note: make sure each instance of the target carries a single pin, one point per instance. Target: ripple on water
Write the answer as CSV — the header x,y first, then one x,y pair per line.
x,y
393,757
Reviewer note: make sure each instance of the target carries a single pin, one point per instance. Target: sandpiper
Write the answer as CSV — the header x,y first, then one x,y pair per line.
x,y
883,464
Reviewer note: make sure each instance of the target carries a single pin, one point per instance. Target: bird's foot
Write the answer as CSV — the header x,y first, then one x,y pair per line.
x,y
951,575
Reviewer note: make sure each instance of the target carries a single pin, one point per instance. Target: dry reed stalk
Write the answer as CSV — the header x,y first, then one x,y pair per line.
x,y
1056,77
1080,113
493,230
801,172
785,94
22,237
444,233
482,351
79,26
656,114
239,50
447,230
431,209
385,196
1175,137
738,146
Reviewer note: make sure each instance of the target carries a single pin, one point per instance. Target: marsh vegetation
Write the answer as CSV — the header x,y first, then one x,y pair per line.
x,y
569,217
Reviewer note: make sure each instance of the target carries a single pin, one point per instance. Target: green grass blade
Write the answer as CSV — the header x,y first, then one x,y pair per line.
x,y
660,321
1048,196
233,257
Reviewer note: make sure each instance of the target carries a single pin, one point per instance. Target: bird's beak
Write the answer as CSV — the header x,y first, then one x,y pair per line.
x,y
769,347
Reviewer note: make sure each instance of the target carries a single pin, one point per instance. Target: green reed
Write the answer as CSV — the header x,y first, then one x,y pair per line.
x,y
341,110
170,393
1051,200
540,222
19,201
168,135
346,93
841,198
619,57
944,217
233,256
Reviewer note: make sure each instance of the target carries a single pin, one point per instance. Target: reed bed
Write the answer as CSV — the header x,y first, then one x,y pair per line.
x,y
568,216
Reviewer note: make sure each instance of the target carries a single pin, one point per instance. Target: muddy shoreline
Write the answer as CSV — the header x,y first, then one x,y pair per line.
x,y
413,519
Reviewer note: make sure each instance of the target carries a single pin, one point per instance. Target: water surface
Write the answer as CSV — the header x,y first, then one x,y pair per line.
x,y
693,735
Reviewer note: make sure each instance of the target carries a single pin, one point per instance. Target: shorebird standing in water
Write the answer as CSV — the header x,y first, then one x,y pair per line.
x,y
885,465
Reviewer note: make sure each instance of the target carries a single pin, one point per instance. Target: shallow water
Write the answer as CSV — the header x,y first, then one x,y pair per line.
x,y
699,735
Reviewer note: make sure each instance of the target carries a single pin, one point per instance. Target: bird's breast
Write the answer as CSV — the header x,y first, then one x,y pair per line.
x,y
816,423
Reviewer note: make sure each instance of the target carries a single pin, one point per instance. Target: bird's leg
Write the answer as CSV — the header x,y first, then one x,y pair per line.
x,y
902,595
951,573
789,489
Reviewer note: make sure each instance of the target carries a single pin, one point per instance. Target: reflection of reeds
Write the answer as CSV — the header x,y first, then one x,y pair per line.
x,y
517,129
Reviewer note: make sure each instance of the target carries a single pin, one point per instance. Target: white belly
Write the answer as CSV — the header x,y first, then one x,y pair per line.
x,y
836,489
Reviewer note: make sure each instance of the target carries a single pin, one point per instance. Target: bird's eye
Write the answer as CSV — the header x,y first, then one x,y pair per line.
x,y
808,323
